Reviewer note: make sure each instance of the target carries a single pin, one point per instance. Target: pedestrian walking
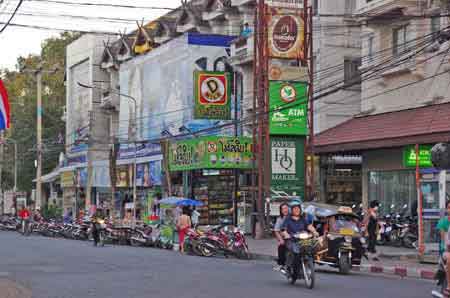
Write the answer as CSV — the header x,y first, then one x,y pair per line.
x,y
284,213
443,227
371,224
183,224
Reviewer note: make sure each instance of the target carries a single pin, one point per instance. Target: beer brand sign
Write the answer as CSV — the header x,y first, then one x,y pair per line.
x,y
286,33
212,95
287,164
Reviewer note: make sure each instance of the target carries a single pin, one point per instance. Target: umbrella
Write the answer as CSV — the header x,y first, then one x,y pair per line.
x,y
171,200
189,202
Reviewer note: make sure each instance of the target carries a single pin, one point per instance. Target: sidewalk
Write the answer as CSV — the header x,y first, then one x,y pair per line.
x,y
393,260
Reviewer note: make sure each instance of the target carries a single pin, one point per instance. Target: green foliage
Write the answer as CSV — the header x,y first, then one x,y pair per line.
x,y
22,91
51,212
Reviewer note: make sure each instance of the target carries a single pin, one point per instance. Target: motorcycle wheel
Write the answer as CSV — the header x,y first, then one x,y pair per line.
x,y
309,274
242,253
292,276
344,264
206,250
408,242
134,242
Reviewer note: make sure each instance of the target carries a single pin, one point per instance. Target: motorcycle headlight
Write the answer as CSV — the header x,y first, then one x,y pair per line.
x,y
363,240
303,236
348,239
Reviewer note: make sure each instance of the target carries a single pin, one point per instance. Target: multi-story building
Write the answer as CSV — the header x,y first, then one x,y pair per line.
x,y
404,102
87,124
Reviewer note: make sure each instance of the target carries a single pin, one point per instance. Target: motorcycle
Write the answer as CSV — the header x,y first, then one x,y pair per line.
x,y
142,236
300,259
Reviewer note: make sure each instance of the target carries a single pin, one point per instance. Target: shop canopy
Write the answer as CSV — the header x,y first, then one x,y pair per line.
x,y
424,125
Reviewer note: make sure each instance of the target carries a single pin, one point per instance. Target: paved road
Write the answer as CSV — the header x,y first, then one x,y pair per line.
x,y
55,268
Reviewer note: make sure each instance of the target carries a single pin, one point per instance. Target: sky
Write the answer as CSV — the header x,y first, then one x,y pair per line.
x,y
17,41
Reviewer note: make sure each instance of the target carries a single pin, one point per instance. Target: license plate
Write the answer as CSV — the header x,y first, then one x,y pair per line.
x,y
346,232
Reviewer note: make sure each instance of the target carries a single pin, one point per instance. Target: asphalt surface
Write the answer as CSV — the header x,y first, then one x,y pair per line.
x,y
55,268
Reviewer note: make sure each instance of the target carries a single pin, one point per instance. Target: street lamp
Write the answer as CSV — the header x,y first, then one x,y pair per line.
x,y
134,137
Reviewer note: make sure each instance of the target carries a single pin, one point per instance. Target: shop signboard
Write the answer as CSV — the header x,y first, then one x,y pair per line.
x,y
280,72
297,4
409,156
288,165
212,95
286,33
82,177
211,152
67,179
288,104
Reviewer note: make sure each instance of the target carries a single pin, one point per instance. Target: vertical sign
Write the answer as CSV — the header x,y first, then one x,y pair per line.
x,y
288,164
286,29
289,108
212,95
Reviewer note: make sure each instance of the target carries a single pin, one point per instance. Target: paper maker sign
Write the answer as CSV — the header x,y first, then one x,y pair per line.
x,y
283,159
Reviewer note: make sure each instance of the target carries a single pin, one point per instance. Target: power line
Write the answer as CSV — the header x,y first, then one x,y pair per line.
x,y
11,17
103,5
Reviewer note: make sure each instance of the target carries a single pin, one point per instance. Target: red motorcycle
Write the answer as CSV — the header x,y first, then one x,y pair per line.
x,y
229,241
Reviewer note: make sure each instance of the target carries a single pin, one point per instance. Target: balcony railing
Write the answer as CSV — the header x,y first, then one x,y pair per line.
x,y
374,8
242,50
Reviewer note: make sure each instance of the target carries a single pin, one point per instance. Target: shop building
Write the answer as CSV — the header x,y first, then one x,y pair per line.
x,y
386,145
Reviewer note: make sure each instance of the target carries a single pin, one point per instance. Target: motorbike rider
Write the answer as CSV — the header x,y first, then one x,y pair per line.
x,y
25,215
295,223
95,227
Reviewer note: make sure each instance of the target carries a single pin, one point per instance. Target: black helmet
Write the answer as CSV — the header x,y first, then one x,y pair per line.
x,y
374,204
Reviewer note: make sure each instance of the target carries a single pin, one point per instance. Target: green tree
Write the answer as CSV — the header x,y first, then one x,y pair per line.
x,y
21,86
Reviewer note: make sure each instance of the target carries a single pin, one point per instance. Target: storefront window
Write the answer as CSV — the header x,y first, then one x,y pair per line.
x,y
393,187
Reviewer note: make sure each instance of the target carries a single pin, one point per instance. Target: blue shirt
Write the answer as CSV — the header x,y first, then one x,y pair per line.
x,y
295,226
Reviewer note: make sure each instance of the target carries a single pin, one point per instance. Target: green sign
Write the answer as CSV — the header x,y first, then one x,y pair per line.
x,y
212,95
288,164
409,156
211,152
288,102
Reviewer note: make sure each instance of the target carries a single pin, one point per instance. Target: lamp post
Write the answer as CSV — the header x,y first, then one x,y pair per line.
x,y
133,123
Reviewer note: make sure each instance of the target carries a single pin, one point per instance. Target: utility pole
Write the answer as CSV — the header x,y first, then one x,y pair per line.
x,y
39,202
37,72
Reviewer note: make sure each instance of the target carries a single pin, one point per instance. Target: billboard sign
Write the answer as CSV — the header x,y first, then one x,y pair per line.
x,y
288,164
211,152
212,95
288,104
409,156
286,33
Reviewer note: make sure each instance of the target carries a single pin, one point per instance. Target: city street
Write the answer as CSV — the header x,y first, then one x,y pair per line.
x,y
56,268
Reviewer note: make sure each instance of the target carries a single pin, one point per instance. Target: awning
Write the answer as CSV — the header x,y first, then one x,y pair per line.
x,y
424,125
50,177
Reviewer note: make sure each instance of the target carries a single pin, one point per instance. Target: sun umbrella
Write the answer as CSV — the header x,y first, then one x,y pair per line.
x,y
189,202
171,200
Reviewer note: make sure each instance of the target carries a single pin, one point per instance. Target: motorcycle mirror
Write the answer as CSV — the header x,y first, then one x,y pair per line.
x,y
392,206
405,206
353,206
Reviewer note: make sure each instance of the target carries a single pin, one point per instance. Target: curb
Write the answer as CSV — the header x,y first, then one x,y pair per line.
x,y
397,271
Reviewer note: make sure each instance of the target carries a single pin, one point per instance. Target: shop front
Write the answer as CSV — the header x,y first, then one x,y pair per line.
x,y
396,165
214,169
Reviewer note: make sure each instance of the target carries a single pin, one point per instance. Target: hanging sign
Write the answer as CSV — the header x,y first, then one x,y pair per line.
x,y
286,29
409,156
289,108
288,164
212,95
